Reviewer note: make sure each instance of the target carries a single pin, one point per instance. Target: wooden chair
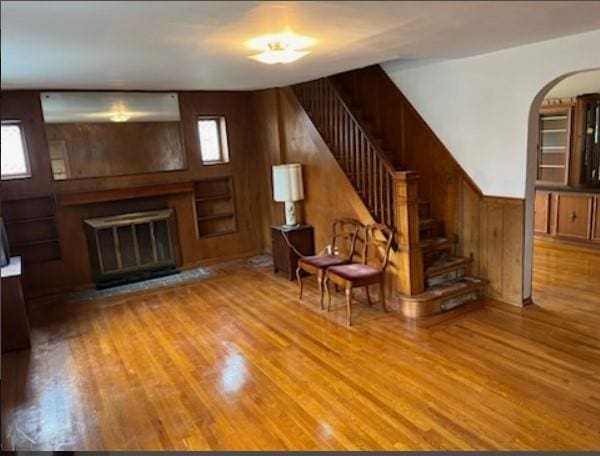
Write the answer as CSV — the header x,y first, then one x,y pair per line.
x,y
343,243
378,239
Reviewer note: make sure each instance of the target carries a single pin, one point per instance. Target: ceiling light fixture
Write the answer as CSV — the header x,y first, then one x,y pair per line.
x,y
280,48
119,114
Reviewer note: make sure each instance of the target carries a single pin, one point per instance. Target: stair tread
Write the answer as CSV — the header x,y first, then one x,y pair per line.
x,y
437,242
445,264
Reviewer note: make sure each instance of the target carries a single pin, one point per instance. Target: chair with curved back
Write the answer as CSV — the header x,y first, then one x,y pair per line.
x,y
378,240
341,251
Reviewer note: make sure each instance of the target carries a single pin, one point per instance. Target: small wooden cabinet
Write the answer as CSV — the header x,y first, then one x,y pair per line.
x,y
596,219
573,215
567,215
285,258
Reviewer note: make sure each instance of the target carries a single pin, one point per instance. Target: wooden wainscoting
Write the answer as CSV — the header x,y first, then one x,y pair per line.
x,y
491,231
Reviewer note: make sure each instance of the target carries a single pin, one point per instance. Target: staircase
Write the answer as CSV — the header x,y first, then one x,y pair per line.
x,y
438,279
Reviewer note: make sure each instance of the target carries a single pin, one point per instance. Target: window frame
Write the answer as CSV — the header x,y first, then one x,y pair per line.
x,y
221,123
27,174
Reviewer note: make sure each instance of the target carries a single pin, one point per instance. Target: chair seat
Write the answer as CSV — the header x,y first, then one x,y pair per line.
x,y
323,261
354,271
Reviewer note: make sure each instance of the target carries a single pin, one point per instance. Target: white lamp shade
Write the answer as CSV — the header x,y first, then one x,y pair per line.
x,y
287,183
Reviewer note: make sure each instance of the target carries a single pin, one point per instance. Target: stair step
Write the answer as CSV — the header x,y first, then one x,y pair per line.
x,y
443,297
446,263
437,243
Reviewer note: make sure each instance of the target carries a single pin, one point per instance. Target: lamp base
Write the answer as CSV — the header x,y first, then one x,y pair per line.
x,y
290,213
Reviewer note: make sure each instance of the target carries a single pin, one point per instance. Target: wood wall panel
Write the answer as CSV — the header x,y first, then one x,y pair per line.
x,y
491,232
244,166
328,193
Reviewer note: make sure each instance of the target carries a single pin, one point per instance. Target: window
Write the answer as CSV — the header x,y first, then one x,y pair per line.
x,y
213,140
15,163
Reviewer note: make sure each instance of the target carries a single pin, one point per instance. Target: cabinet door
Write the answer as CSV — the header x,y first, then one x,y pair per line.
x,y
542,212
596,219
573,215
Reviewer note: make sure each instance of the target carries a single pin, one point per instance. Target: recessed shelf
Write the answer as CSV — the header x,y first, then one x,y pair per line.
x,y
554,118
36,242
213,198
553,166
30,220
553,147
215,216
554,130
217,233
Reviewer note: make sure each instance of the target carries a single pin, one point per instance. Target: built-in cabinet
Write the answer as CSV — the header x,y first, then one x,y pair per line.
x,y
569,143
568,215
554,145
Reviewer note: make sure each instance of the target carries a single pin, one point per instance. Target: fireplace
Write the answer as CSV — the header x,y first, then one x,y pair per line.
x,y
131,247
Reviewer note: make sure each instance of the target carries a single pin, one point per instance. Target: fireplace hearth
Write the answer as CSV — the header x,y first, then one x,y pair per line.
x,y
131,247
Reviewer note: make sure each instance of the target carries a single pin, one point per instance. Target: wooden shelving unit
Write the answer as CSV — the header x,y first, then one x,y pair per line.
x,y
31,228
554,145
215,207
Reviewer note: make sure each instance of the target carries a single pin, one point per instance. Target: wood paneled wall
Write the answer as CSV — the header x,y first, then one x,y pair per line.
x,y
245,167
328,193
491,232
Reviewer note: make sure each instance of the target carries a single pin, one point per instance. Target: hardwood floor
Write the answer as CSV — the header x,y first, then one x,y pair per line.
x,y
236,361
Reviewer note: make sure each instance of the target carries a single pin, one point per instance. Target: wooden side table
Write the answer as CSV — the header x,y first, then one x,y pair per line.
x,y
285,259
15,324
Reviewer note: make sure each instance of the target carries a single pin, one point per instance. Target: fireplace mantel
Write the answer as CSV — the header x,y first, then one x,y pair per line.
x,y
116,194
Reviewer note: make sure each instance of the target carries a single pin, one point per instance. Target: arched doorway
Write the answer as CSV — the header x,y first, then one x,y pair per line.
x,y
533,169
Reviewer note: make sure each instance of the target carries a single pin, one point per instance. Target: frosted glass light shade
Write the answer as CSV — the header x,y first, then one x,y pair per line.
x,y
287,183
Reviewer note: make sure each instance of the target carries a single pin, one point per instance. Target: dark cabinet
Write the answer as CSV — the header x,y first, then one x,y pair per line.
x,y
287,243
587,141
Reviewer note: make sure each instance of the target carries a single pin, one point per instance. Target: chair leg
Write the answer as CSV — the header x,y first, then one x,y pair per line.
x,y
382,294
321,291
299,279
328,290
369,296
348,306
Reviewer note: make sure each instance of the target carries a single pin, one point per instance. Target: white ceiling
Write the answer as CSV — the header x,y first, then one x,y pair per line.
x,y
160,45
577,84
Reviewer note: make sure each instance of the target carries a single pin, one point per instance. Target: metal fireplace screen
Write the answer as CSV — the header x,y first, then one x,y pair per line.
x,y
131,246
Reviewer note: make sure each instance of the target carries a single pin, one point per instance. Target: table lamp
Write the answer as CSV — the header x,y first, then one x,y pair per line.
x,y
287,188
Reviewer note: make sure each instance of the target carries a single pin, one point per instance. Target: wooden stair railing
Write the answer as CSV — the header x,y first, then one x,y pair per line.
x,y
370,171
389,194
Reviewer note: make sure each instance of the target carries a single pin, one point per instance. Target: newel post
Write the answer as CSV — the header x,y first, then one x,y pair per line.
x,y
409,255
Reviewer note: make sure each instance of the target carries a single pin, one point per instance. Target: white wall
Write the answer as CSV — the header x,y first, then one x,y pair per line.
x,y
479,106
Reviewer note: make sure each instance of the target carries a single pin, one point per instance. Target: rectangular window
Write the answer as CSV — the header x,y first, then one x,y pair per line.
x,y
213,140
15,163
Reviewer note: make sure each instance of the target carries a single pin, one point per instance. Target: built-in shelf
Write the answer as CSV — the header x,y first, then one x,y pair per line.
x,y
47,218
213,198
215,207
35,242
31,228
216,216
554,145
